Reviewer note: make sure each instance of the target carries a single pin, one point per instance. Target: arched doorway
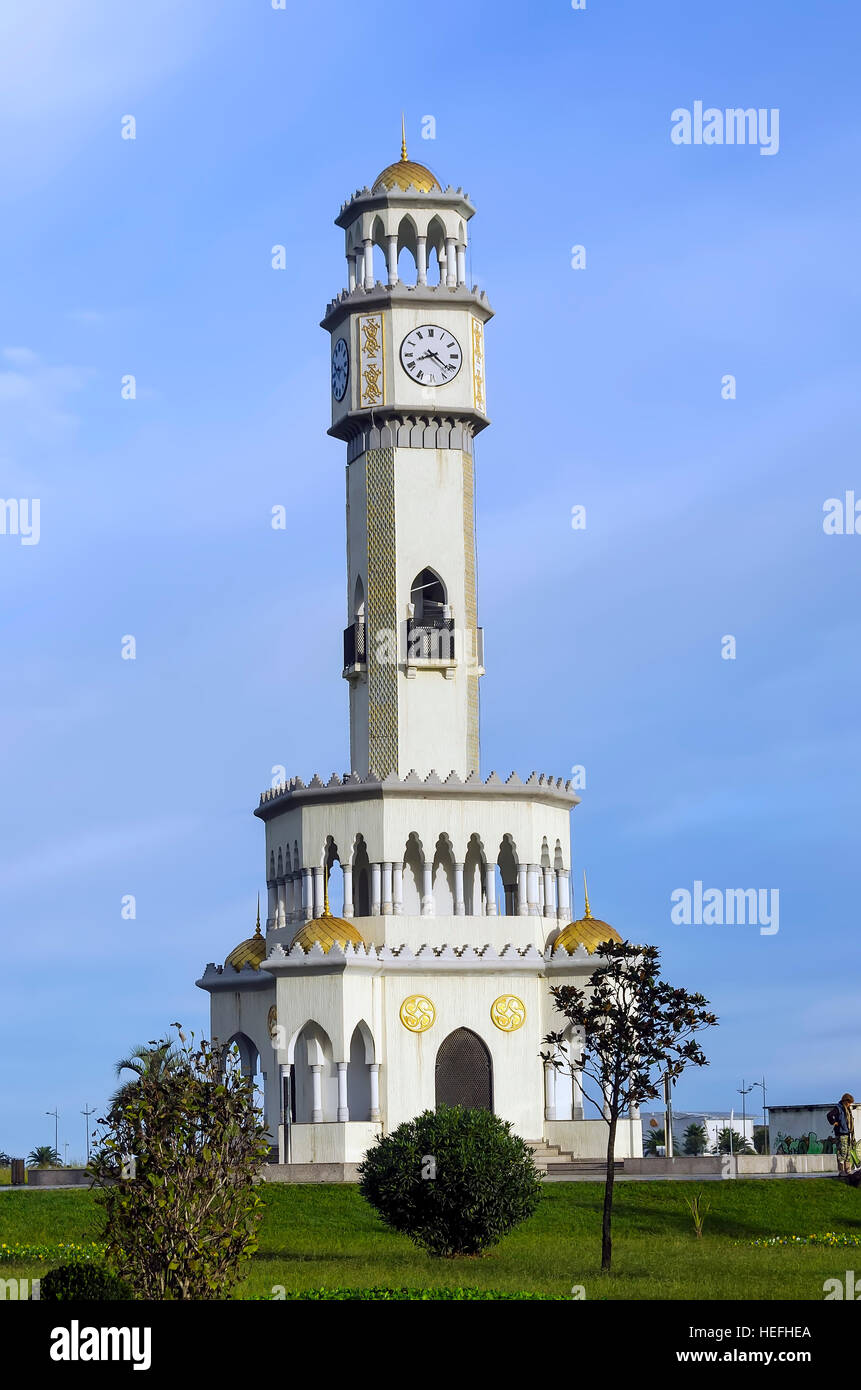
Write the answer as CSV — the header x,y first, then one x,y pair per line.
x,y
464,1072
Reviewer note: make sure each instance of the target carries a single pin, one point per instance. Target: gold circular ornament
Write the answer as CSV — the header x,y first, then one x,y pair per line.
x,y
508,1013
417,1013
272,1022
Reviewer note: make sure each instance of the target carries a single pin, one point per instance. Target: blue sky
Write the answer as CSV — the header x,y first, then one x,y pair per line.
x,y
152,257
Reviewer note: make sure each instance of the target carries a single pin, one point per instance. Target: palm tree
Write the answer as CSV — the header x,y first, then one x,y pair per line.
x,y
696,1139
152,1060
45,1156
730,1141
652,1142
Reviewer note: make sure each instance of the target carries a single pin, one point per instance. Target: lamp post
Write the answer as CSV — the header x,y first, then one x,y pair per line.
x,y
761,1084
87,1112
55,1112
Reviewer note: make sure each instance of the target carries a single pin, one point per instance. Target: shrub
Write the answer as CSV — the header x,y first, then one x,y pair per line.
x,y
380,1293
83,1283
455,1181
177,1166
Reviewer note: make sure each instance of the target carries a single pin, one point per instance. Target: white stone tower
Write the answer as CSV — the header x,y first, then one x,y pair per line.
x,y
432,985
408,399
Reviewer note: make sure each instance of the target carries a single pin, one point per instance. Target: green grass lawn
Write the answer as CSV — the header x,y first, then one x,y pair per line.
x,y
326,1236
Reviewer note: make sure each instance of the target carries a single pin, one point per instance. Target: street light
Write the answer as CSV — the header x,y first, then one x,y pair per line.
x,y
764,1108
86,1114
56,1115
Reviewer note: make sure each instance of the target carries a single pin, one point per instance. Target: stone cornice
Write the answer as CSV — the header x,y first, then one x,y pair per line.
x,y
364,200
382,296
548,791
394,960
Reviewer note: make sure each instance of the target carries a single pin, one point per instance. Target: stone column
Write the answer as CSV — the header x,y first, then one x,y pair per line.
x,y
348,890
316,1093
308,894
318,890
422,259
398,889
532,891
374,1069
343,1111
351,273
522,891
461,265
549,1091
563,895
386,901
375,890
490,890
427,889
450,261
392,259
369,263
549,894
459,903
271,902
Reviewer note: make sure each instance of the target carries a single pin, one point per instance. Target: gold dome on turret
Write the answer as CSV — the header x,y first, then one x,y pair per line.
x,y
406,173
251,952
326,931
587,931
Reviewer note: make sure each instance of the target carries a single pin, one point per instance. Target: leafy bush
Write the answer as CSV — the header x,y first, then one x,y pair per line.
x,y
176,1170
78,1282
456,1181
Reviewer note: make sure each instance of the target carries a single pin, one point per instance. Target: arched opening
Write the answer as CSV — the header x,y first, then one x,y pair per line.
x,y
507,883
413,875
361,880
407,251
436,250
443,878
464,1071
358,1073
240,1054
313,1078
473,878
359,600
428,597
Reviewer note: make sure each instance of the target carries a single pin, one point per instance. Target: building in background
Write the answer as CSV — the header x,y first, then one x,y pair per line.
x,y
712,1121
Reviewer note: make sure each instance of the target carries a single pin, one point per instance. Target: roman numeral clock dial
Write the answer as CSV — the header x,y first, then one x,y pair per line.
x,y
431,355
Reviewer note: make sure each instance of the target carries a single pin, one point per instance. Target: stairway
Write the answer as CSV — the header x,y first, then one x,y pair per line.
x,y
561,1167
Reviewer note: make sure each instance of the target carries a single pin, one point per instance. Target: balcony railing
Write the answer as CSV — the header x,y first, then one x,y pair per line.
x,y
355,646
430,639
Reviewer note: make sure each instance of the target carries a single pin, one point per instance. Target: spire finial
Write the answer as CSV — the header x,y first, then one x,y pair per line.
x,y
326,912
257,931
587,911
403,139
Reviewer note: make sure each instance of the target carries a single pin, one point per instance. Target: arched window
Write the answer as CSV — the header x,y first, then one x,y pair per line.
x,y
428,597
464,1072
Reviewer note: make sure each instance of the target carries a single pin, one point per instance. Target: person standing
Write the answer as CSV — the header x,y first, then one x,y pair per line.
x,y
841,1118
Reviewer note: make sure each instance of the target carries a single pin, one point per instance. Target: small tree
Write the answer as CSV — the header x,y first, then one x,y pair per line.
x,y
729,1141
176,1169
454,1180
154,1059
695,1139
632,1028
654,1140
45,1156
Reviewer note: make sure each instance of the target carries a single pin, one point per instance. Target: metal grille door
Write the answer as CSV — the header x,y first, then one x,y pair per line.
x,y
464,1074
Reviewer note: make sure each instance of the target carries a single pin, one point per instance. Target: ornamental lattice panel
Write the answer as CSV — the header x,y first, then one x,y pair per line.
x,y
463,1072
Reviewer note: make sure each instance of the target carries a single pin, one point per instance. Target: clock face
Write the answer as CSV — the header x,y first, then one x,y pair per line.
x,y
340,369
431,355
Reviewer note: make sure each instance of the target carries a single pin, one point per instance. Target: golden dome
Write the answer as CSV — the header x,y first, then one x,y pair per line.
x,y
587,931
406,174
251,952
326,931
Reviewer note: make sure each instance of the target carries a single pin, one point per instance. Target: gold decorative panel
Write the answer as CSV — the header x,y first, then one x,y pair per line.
x,y
382,613
372,367
508,1013
478,364
417,1013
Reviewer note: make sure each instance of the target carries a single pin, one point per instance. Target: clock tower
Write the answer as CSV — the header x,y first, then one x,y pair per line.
x,y
417,914
408,399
